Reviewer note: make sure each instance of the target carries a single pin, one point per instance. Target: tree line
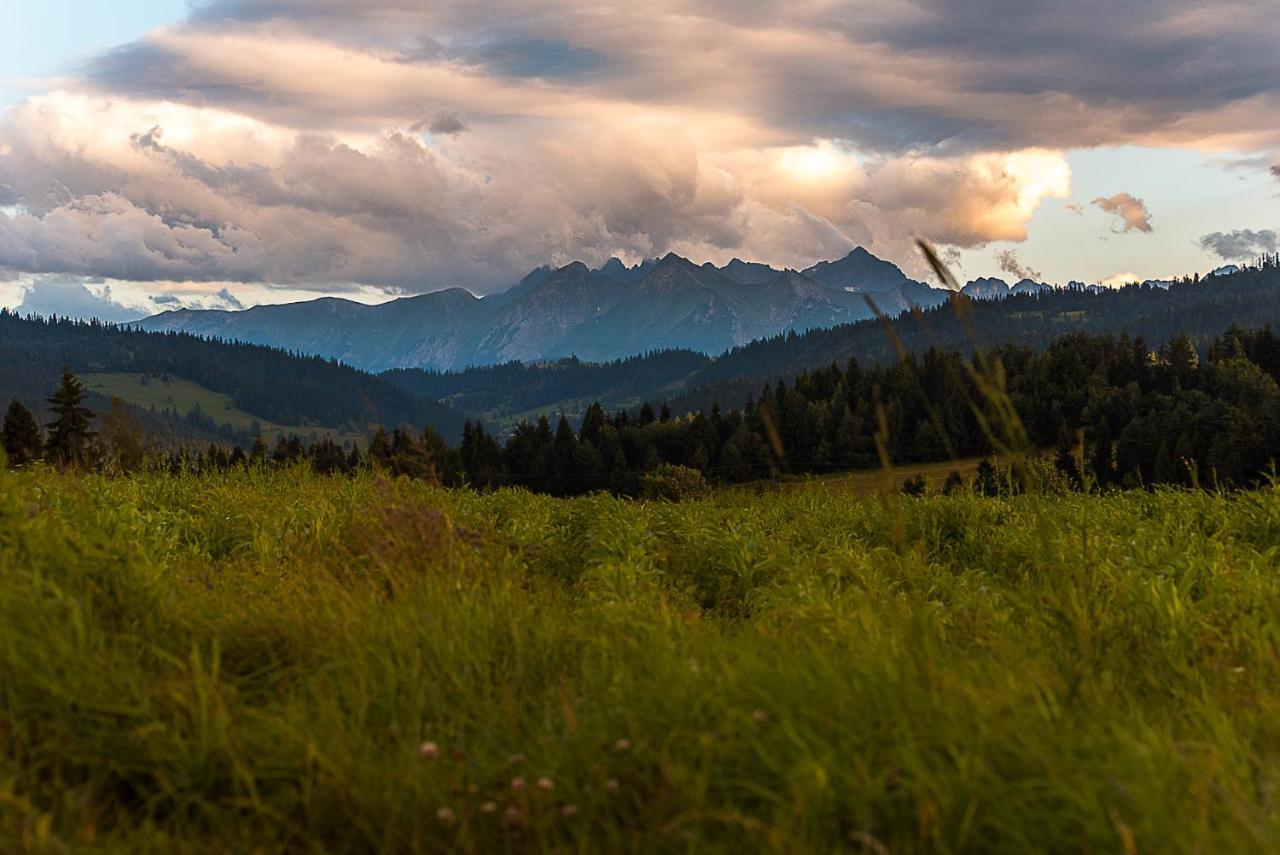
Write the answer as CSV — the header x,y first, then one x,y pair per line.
x,y
1103,409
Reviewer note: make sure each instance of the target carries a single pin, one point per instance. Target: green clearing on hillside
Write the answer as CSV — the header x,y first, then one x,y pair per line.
x,y
870,482
166,392
251,662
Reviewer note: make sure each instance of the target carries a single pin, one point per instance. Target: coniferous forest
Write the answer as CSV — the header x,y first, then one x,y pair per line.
x,y
1110,410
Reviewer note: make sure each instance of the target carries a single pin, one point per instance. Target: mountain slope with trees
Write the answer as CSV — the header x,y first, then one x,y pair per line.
x,y
271,384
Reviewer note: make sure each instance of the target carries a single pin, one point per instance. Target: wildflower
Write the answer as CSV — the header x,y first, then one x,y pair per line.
x,y
512,816
759,716
446,816
517,783
546,784
622,744
429,750
515,759
569,810
488,807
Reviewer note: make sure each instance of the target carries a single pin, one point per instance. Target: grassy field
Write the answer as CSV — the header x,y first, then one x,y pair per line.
x,y
870,482
183,396
272,660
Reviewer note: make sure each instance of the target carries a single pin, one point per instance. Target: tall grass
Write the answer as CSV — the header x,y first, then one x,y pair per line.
x,y
273,660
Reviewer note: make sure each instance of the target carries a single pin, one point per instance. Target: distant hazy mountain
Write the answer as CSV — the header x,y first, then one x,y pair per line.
x,y
602,314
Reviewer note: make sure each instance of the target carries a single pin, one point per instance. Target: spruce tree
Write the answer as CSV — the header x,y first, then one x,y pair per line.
x,y
21,435
69,432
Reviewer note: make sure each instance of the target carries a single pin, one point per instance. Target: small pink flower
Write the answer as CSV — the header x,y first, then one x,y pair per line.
x,y
488,807
517,783
515,759
759,716
569,810
512,816
429,750
446,816
622,744
546,784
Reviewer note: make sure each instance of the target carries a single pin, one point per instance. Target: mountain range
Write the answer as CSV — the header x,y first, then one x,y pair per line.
x,y
595,314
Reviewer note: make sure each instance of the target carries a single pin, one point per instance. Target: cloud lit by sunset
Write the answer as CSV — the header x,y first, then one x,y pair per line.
x,y
278,147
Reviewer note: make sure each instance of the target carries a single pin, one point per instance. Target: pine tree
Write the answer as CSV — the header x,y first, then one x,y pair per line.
x,y
21,435
69,432
564,474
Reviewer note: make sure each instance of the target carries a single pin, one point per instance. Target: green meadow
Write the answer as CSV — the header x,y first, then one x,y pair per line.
x,y
270,660
167,392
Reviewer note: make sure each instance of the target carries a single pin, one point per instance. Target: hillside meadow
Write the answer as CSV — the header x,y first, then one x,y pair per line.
x,y
271,660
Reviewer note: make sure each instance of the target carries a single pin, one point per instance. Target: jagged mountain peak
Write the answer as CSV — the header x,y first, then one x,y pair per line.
x,y
986,288
610,312
858,270
748,272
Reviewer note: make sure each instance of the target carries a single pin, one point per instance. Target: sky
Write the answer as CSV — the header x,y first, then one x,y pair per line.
x,y
157,154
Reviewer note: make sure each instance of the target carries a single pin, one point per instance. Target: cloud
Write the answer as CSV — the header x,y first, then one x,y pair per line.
x,y
65,297
196,195
1241,244
445,123
1120,280
229,300
1130,212
1008,261
408,146
974,74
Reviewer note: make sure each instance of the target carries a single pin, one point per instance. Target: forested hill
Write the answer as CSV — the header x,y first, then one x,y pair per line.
x,y
270,384
516,387
1199,308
